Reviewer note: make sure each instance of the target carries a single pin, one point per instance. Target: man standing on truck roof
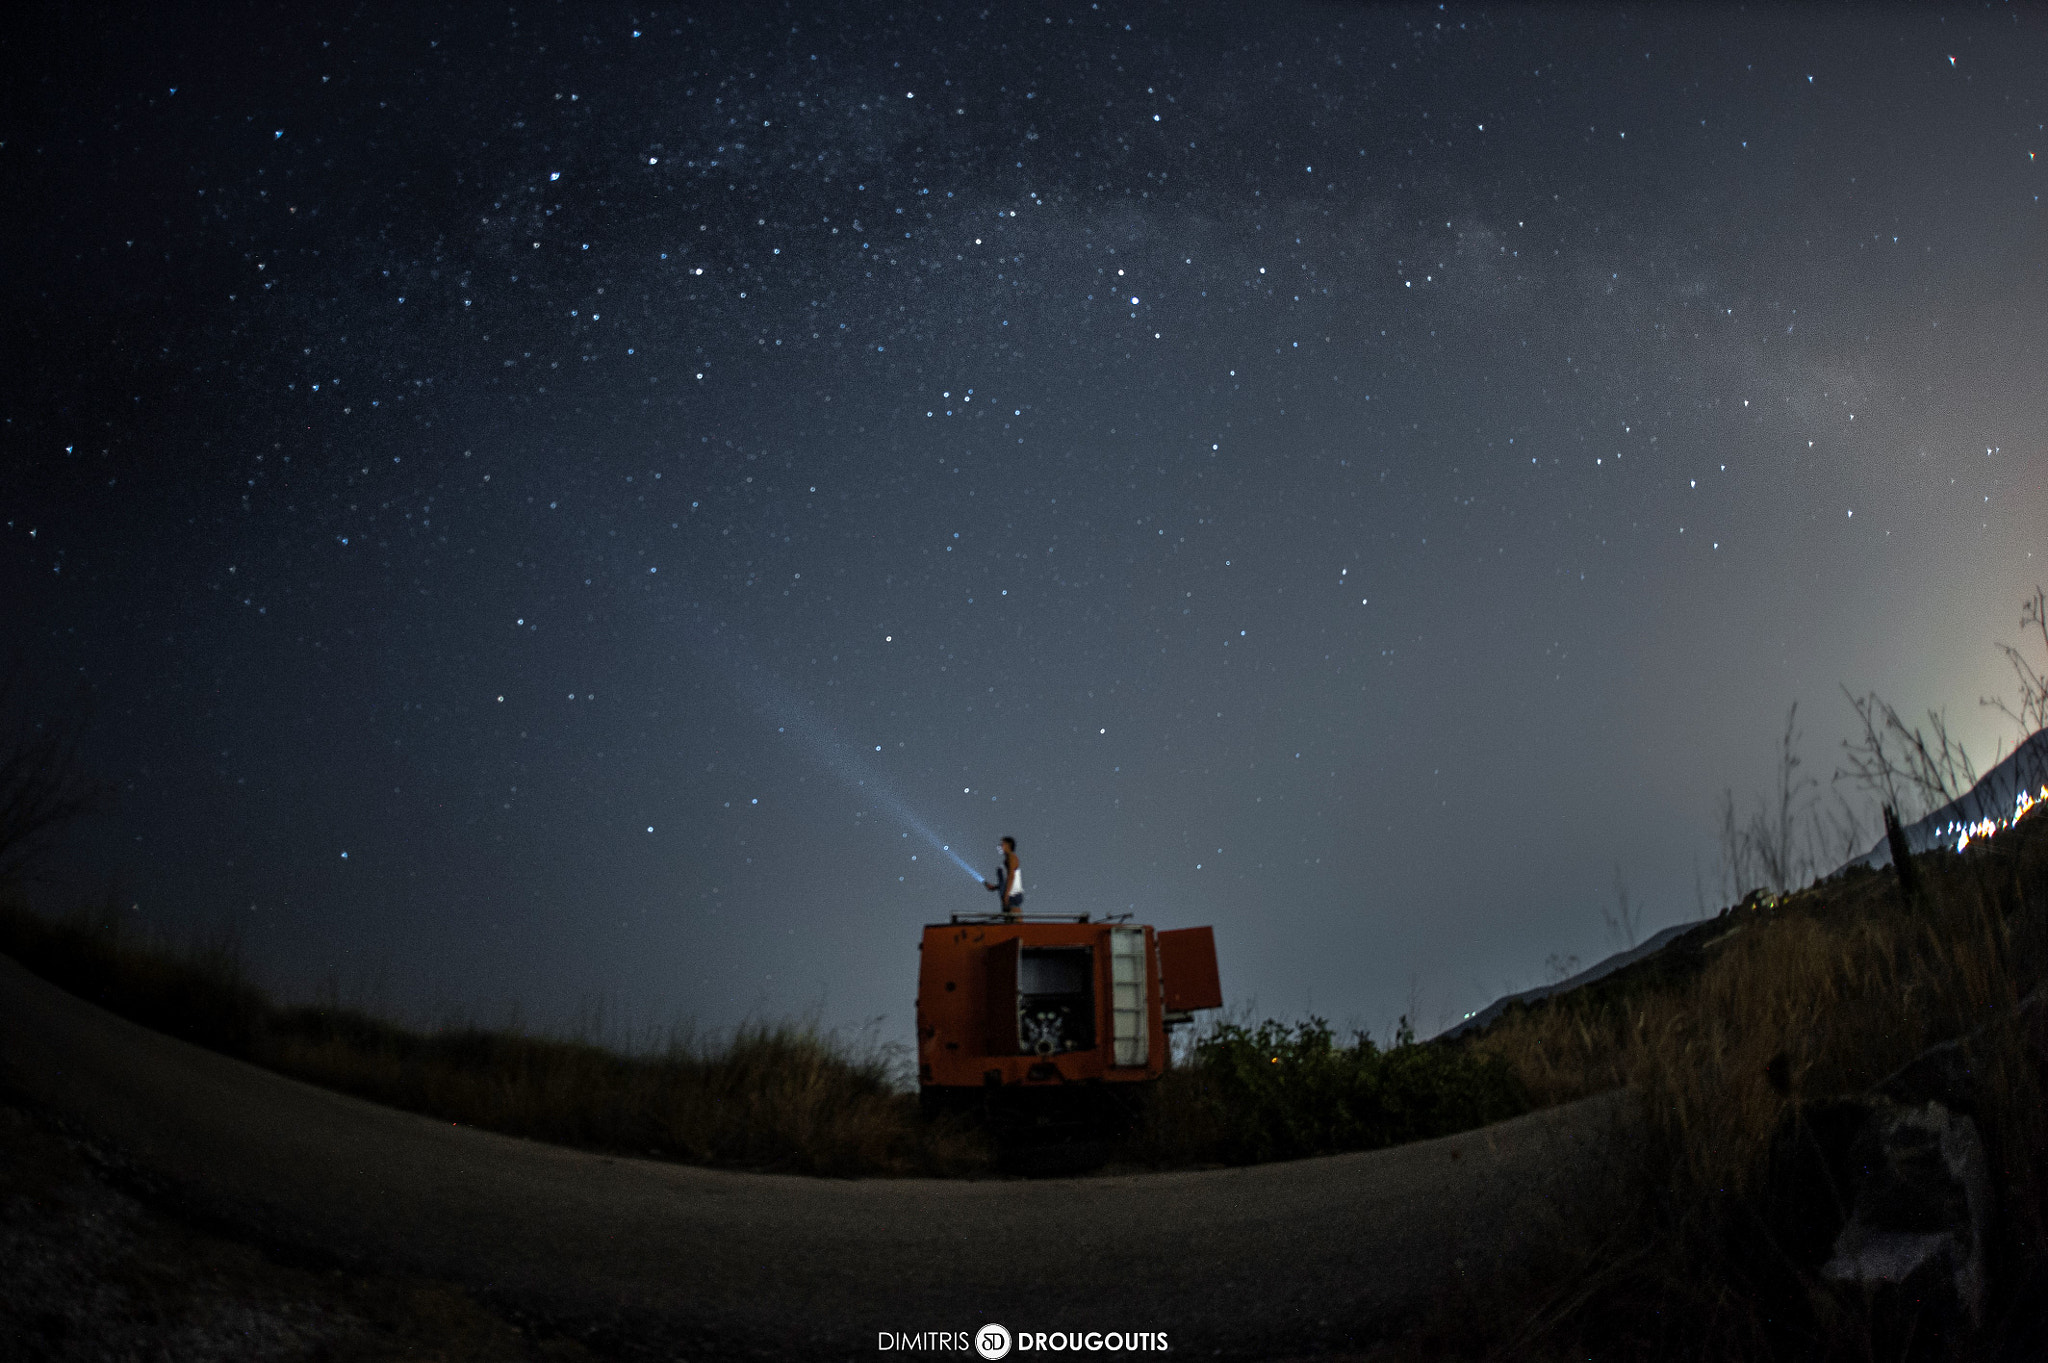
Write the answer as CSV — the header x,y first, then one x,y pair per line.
x,y
1009,881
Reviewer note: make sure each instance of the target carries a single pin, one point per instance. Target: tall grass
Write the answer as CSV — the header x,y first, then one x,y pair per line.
x,y
785,1097
1819,993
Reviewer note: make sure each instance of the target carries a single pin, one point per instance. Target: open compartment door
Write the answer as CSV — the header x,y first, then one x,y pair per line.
x,y
1187,970
1005,1036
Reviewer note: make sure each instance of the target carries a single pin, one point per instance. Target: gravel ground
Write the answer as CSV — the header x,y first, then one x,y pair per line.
x,y
93,1273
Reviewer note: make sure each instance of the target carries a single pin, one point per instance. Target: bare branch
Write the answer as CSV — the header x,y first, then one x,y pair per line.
x,y
2030,710
1894,760
1792,835
1625,921
1769,847
41,789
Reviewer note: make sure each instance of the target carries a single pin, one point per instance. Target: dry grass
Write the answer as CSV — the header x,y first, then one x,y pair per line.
x,y
1823,992
787,1097
784,1097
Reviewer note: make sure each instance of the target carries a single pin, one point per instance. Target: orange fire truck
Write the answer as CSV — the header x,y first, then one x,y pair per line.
x,y
1052,1023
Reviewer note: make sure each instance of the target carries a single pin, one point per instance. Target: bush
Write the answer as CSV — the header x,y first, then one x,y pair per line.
x,y
1281,1091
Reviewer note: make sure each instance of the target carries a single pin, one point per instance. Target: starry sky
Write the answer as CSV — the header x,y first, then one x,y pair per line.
x,y
559,508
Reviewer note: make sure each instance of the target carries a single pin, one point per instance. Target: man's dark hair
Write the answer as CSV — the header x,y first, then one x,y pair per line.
x,y
1010,843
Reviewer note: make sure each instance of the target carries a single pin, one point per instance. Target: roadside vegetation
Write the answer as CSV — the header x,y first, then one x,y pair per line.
x,y
1799,994
1283,1091
1822,992
785,1097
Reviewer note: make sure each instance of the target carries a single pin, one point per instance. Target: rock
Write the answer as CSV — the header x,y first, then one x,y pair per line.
x,y
1913,1241
1885,1198
1887,1194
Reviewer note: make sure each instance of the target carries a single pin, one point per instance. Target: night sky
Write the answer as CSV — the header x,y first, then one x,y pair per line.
x,y
566,506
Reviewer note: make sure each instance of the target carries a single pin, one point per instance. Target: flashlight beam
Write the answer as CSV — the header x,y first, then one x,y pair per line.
x,y
854,770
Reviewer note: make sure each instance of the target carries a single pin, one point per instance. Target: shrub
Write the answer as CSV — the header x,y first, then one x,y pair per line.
x,y
1281,1091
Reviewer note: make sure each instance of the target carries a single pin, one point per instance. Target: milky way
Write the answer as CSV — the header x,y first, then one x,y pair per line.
x,y
564,505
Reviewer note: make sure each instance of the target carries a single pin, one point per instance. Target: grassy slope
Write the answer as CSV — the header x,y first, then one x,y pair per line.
x,y
1823,992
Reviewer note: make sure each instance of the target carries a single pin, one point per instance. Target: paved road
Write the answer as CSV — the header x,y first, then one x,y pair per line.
x,y
1291,1257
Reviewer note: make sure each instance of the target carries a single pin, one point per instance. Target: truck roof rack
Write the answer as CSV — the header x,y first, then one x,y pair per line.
x,y
1038,918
